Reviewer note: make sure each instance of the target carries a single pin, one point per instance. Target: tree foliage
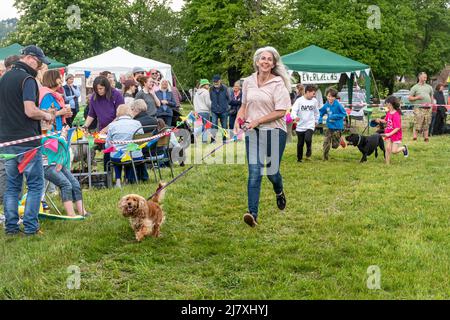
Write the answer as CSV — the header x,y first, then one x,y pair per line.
x,y
223,34
220,36
44,23
412,35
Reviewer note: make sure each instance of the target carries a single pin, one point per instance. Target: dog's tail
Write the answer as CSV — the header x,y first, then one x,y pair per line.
x,y
160,192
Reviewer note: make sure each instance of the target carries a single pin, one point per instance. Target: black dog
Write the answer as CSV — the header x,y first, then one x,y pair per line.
x,y
367,145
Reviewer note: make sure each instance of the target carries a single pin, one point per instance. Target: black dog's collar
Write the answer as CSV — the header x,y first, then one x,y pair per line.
x,y
359,140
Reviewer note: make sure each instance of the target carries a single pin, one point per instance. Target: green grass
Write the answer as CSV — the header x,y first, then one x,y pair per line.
x,y
341,218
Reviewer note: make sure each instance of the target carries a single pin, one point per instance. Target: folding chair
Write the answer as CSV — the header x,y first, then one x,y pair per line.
x,y
160,153
136,136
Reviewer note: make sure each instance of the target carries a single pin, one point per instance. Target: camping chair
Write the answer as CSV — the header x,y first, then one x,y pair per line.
x,y
133,162
49,199
150,129
160,154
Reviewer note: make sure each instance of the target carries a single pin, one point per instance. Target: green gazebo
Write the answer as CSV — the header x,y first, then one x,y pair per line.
x,y
315,59
15,49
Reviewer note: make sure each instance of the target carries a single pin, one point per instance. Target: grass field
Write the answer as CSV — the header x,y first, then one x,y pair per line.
x,y
341,218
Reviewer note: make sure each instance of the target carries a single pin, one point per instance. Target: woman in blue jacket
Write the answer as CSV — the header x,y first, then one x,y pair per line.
x,y
335,122
71,95
168,102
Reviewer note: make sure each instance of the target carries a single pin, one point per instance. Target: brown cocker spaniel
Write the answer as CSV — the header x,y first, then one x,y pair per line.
x,y
146,217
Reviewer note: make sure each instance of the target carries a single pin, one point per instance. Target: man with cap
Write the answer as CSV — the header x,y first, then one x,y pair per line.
x,y
21,118
220,99
137,73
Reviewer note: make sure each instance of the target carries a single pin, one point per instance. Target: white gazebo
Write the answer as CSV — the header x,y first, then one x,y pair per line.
x,y
119,61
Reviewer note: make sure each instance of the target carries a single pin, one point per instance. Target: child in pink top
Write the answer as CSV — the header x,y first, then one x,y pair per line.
x,y
393,130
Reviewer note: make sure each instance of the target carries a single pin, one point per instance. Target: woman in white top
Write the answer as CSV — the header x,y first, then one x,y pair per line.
x,y
265,101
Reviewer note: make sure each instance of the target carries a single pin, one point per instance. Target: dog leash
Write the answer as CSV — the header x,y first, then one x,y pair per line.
x,y
191,167
243,129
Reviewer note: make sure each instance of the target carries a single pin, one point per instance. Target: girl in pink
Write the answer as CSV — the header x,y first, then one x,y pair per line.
x,y
393,130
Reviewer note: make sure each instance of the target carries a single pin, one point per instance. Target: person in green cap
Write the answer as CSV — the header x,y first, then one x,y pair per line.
x,y
202,105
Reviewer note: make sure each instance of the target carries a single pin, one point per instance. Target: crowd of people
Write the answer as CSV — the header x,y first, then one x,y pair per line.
x,y
35,100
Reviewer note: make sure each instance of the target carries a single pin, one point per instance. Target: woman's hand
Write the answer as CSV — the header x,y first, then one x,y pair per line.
x,y
253,124
104,130
237,126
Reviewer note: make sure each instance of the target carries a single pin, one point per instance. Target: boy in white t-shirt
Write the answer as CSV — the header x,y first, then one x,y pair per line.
x,y
305,112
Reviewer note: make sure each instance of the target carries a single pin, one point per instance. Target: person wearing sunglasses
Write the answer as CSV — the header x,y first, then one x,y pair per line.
x,y
156,77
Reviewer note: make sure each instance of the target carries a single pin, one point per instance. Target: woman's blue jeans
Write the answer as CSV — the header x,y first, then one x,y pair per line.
x,y
205,117
265,149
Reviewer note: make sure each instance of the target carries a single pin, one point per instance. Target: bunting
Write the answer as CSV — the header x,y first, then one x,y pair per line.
x,y
28,156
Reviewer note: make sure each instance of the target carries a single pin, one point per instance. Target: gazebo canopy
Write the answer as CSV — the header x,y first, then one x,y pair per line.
x,y
16,48
316,59
120,61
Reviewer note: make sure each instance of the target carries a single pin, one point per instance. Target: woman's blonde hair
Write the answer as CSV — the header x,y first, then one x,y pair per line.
x,y
279,68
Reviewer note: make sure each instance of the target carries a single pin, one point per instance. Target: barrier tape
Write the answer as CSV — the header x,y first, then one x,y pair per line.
x,y
424,105
12,143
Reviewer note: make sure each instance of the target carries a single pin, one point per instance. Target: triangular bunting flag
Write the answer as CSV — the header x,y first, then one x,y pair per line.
x,y
142,146
367,71
77,135
132,147
152,142
109,150
87,74
349,74
27,157
358,73
208,125
119,154
225,133
7,156
90,140
126,158
51,144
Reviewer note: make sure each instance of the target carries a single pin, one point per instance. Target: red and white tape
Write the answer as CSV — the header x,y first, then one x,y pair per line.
x,y
12,143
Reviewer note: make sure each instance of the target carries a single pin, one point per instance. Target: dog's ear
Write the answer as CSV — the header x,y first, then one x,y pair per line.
x,y
142,203
122,202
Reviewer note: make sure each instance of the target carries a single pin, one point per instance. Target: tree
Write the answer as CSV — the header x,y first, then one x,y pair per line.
x,y
433,37
45,23
157,34
223,34
7,26
400,45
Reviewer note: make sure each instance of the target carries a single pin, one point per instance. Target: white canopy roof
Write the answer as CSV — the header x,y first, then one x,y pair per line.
x,y
119,61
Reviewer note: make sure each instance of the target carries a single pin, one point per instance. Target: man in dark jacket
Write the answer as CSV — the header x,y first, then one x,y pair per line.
x,y
20,118
220,98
